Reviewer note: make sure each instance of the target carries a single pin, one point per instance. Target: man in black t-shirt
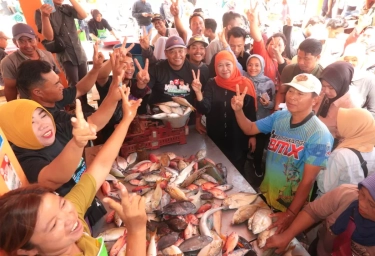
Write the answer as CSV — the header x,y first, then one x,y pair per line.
x,y
39,82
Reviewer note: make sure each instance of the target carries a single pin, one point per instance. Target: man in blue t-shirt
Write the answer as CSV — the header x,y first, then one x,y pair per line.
x,y
298,149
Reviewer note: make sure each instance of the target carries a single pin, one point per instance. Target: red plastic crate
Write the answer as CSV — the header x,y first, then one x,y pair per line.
x,y
145,134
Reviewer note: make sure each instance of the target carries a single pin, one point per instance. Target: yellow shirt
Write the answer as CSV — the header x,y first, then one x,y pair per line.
x,y
82,196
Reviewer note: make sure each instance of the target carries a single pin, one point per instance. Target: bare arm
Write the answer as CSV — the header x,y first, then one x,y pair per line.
x,y
103,161
175,11
252,16
280,96
80,11
10,89
248,127
104,73
88,81
47,30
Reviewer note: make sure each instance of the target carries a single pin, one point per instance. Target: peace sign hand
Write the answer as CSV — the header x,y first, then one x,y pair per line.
x,y
129,107
222,38
98,57
237,100
123,50
118,66
144,40
82,130
196,84
175,10
252,13
143,77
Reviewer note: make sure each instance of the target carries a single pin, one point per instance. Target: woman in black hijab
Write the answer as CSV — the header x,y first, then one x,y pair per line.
x,y
98,26
336,79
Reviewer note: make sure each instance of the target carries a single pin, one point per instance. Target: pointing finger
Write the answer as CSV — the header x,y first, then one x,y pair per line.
x,y
79,113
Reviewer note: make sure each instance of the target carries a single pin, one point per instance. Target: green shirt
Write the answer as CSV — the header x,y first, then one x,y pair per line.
x,y
292,70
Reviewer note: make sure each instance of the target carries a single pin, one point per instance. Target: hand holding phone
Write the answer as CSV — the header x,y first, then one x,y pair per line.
x,y
50,2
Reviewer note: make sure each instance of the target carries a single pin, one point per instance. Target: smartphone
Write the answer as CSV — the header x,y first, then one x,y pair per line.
x,y
50,2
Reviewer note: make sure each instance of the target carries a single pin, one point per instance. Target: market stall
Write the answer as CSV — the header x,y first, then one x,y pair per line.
x,y
196,142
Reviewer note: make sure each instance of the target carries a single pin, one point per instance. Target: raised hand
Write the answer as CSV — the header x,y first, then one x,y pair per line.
x,y
82,131
46,10
196,83
144,40
222,38
123,50
252,12
238,99
143,76
98,57
118,67
175,10
129,107
131,210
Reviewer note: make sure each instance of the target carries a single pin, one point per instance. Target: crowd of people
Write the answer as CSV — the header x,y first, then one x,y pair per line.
x,y
305,96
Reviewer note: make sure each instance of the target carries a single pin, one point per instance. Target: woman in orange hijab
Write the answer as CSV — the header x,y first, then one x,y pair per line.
x,y
215,103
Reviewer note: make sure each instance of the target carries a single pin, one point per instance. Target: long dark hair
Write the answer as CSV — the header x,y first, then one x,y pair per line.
x,y
18,216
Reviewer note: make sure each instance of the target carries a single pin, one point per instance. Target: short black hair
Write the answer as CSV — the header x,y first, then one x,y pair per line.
x,y
312,46
315,20
337,23
198,10
196,14
211,24
281,35
229,16
237,32
29,75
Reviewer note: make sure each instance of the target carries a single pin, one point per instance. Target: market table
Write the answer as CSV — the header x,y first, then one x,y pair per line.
x,y
195,142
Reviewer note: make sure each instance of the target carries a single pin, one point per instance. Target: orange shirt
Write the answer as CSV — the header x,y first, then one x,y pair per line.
x,y
270,65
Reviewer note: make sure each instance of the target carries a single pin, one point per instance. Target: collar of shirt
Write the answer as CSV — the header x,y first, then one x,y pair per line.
x,y
40,53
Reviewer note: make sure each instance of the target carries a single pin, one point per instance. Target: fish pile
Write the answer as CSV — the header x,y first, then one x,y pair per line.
x,y
174,109
183,218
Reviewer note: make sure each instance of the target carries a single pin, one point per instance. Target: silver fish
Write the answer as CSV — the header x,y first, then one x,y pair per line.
x,y
171,104
225,187
203,228
236,200
209,178
110,177
152,178
117,173
132,158
165,109
181,165
261,220
118,220
187,111
243,213
165,199
172,250
121,162
201,154
131,176
264,235
184,174
178,111
156,197
214,248
112,234
183,102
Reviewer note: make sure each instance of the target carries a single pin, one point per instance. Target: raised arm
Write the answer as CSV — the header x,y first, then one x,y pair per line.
x,y
252,16
225,46
47,30
175,11
81,13
237,102
103,161
61,169
88,81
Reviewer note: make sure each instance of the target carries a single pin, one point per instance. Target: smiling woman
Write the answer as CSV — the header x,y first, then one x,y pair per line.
x,y
36,221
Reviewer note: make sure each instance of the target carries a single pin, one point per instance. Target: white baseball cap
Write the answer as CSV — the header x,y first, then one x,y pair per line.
x,y
306,83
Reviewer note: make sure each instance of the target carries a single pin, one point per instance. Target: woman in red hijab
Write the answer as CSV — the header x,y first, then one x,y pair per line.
x,y
215,103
